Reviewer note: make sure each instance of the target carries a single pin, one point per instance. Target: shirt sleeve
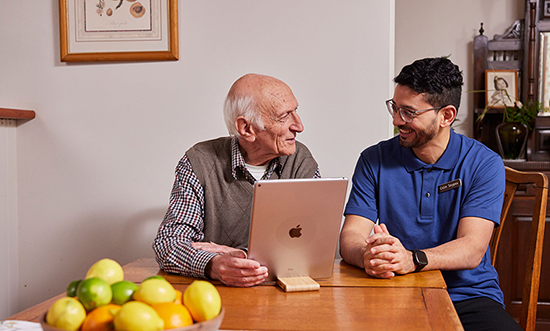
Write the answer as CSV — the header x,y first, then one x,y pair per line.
x,y
182,225
317,173
486,191
363,198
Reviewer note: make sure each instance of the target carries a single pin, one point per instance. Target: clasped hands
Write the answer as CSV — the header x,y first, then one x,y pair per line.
x,y
385,256
231,266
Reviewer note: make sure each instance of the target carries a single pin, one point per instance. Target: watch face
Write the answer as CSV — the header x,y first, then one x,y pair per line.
x,y
420,258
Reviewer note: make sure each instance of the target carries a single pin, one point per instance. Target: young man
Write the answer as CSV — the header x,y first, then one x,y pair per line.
x,y
436,195
205,230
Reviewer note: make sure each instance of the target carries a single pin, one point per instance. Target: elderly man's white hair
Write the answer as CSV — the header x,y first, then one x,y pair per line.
x,y
241,105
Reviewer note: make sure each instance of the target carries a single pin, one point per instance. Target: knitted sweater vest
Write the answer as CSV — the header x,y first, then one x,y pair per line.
x,y
228,201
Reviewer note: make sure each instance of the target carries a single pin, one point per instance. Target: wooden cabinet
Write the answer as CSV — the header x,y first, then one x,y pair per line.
x,y
513,248
503,52
517,49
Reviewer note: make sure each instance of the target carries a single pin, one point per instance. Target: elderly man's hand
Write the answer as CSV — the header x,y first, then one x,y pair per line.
x,y
385,255
233,269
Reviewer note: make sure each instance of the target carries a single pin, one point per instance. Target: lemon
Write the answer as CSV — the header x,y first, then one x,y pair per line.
x,y
123,291
203,300
106,269
66,313
137,316
94,292
153,291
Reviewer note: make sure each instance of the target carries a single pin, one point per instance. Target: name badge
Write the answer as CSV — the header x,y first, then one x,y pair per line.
x,y
449,186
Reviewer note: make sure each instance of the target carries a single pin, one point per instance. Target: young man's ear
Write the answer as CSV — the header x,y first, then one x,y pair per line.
x,y
245,129
449,115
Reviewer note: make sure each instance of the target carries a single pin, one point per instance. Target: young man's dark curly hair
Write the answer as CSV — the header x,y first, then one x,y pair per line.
x,y
438,79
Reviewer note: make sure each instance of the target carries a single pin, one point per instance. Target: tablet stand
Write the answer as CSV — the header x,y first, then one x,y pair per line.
x,y
296,284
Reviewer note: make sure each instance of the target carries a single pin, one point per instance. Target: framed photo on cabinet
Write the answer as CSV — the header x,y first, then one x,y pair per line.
x,y
118,30
501,88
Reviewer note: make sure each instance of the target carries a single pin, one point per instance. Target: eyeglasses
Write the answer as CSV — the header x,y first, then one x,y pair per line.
x,y
407,115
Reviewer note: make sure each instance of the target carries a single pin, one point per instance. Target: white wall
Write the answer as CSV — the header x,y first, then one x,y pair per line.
x,y
95,167
431,28
8,213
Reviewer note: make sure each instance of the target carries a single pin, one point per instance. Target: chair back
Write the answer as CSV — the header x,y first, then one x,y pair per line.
x,y
515,178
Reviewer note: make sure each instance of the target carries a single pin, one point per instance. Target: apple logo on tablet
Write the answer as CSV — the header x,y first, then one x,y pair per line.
x,y
295,232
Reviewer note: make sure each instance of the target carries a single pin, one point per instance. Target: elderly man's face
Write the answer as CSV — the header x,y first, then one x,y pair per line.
x,y
281,122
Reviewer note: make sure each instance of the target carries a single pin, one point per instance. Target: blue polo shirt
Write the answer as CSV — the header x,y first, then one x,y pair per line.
x,y
421,204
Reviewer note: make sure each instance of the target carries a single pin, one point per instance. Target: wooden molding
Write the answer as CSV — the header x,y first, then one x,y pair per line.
x,y
16,114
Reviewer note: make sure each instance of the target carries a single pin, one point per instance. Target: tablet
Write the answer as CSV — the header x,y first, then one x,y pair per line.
x,y
295,226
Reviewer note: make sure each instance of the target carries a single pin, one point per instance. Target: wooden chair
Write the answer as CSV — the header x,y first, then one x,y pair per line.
x,y
515,178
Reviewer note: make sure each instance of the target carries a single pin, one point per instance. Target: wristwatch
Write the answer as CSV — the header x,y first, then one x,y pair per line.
x,y
420,260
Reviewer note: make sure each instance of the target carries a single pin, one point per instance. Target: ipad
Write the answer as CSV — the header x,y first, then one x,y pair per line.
x,y
295,226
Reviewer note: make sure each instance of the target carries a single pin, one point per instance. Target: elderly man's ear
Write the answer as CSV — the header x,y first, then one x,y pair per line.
x,y
245,129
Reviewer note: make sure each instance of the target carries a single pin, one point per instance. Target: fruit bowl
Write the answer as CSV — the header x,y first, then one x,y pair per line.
x,y
210,325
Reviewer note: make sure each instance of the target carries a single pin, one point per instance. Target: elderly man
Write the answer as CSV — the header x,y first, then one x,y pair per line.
x,y
436,194
205,230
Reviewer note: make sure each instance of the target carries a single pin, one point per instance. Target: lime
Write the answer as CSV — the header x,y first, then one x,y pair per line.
x,y
71,289
94,292
154,277
123,291
106,269
153,291
137,316
203,300
66,313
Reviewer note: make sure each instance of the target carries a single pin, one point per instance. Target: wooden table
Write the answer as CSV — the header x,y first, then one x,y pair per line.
x,y
349,300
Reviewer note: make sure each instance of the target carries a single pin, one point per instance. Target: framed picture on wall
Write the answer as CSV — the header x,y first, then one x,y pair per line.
x,y
118,30
546,9
501,88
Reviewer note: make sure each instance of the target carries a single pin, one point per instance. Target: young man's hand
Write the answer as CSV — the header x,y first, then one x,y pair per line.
x,y
385,256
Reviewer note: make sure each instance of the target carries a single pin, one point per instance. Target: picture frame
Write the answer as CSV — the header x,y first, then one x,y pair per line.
x,y
546,9
501,88
118,30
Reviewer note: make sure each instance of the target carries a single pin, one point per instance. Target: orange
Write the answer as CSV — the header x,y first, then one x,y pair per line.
x,y
179,297
100,319
174,315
